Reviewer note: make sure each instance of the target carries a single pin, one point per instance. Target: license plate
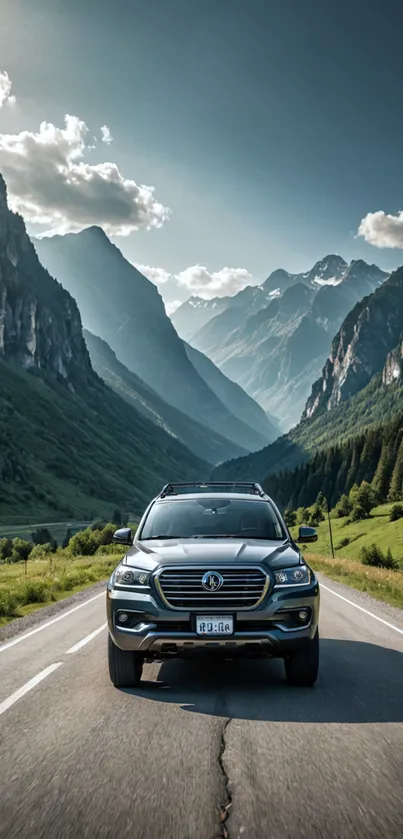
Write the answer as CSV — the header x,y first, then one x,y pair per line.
x,y
214,624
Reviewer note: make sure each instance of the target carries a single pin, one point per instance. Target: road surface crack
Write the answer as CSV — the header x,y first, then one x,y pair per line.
x,y
226,806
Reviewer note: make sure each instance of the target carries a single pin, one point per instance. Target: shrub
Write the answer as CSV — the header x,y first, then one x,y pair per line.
x,y
41,550
8,603
343,507
21,549
303,515
396,512
363,496
290,518
358,513
76,577
98,524
107,550
317,515
373,555
343,543
106,534
84,543
33,591
6,548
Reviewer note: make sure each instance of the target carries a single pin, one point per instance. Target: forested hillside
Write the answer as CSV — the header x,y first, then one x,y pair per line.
x,y
375,456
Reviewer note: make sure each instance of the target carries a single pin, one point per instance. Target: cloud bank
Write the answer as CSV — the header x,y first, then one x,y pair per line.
x,y
382,230
197,279
50,183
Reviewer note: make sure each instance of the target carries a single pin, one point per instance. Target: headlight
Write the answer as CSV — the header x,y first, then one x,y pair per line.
x,y
299,576
126,576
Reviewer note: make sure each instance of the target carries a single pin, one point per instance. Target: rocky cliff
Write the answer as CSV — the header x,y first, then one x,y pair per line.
x,y
40,324
360,349
393,369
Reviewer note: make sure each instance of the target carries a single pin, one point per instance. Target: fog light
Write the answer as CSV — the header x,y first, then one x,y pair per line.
x,y
303,615
123,617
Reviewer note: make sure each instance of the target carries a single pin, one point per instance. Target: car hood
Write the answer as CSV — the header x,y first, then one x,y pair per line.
x,y
207,552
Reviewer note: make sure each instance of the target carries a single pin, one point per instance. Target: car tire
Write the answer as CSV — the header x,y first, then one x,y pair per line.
x,y
301,667
125,667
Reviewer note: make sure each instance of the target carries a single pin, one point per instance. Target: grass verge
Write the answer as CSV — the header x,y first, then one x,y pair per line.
x,y
46,583
379,583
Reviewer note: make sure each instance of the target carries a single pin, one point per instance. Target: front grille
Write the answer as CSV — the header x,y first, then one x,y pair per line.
x,y
242,588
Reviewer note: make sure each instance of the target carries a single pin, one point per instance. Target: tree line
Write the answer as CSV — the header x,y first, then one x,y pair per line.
x,y
374,457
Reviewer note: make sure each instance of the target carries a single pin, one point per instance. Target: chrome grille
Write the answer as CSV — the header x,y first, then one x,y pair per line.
x,y
242,588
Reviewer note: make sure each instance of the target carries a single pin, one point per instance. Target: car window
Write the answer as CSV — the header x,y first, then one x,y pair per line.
x,y
204,517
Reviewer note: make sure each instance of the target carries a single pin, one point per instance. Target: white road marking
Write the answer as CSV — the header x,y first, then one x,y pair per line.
x,y
49,623
371,614
85,640
4,706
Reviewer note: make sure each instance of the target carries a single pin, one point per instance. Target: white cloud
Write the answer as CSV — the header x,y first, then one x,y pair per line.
x,y
106,134
50,183
156,275
5,90
214,284
199,280
382,230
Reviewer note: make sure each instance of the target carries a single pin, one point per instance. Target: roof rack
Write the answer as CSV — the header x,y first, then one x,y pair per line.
x,y
247,487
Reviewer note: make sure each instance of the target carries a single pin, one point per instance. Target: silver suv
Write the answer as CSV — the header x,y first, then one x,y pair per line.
x,y
213,569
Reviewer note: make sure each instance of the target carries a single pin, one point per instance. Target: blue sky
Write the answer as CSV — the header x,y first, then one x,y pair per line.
x,y
269,128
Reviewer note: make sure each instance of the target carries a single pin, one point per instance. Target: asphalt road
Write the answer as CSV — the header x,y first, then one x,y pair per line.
x,y
79,758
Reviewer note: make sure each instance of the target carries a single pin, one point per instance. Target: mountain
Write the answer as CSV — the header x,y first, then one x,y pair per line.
x,y
199,439
234,397
275,349
195,313
371,330
361,387
126,310
69,446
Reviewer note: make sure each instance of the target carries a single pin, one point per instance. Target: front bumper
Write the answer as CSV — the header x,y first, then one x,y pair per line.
x,y
161,632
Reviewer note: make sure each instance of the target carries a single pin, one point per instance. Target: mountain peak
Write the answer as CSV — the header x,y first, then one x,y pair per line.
x,y
330,270
95,230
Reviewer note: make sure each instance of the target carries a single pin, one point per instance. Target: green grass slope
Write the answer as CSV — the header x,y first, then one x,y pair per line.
x,y
81,454
376,529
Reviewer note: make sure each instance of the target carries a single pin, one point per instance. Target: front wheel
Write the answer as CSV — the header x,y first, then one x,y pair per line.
x,y
301,667
125,667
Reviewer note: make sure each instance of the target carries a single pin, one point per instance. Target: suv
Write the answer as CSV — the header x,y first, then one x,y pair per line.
x,y
213,569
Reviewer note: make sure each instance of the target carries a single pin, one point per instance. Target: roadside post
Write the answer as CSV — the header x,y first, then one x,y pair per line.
x,y
330,527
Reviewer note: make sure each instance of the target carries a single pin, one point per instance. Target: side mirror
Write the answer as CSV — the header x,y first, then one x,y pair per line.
x,y
307,534
123,536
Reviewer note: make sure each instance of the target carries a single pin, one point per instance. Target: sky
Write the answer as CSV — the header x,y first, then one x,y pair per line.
x,y
213,140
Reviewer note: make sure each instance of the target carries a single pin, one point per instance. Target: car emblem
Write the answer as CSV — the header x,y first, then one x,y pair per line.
x,y
212,581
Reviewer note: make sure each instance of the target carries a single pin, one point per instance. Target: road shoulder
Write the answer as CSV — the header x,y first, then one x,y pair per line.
x,y
19,625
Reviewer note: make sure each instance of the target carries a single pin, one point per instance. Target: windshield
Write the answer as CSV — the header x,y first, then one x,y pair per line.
x,y
212,517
